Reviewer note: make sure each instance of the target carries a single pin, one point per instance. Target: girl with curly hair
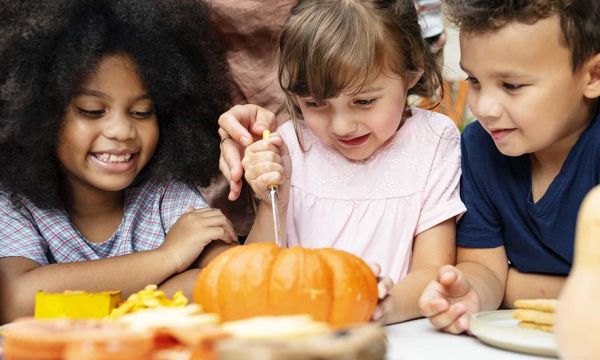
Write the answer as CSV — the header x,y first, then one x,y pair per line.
x,y
108,123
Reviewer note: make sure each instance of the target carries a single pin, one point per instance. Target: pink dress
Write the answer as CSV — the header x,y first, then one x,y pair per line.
x,y
374,208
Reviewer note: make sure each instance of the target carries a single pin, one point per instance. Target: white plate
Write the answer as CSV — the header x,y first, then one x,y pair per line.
x,y
499,329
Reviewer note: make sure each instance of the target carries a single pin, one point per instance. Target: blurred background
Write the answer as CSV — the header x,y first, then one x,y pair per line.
x,y
455,88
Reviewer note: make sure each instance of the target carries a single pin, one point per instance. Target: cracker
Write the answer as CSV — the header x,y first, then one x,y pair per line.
x,y
547,305
534,326
534,316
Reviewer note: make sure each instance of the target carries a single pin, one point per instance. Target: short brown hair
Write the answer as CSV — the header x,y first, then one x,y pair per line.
x,y
328,46
579,20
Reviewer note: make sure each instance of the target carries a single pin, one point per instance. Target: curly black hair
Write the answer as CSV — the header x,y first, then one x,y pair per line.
x,y
579,20
49,47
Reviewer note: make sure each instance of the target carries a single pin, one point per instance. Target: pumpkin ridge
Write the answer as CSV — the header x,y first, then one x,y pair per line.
x,y
354,291
368,281
252,287
203,287
332,285
271,272
219,304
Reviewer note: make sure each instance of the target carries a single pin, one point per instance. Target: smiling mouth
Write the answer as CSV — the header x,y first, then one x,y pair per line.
x,y
353,142
500,133
112,158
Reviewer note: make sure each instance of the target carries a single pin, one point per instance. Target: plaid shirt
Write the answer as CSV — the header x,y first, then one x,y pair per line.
x,y
48,236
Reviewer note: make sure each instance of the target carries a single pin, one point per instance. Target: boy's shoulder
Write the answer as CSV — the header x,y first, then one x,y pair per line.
x,y
477,144
592,133
482,159
475,135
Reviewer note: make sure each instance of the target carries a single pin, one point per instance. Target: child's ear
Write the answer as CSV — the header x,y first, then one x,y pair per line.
x,y
592,69
414,78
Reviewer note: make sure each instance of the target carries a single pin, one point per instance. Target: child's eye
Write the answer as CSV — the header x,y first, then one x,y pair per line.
x,y
471,80
365,102
142,114
512,87
314,103
91,113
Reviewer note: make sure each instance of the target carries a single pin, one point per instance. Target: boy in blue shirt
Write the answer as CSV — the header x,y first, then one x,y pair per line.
x,y
533,154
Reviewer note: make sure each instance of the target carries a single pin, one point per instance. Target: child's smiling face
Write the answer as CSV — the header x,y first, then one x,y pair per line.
x,y
522,87
109,131
358,124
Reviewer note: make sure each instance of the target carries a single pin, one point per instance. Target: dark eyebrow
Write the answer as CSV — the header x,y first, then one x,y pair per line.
x,y
499,74
100,94
143,97
95,93
509,75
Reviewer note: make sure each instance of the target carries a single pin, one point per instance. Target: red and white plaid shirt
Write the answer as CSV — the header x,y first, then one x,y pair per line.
x,y
49,236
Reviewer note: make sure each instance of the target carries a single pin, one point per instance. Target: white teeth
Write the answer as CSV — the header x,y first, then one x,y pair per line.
x,y
112,158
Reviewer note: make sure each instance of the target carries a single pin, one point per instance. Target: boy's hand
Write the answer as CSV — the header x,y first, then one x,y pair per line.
x,y
386,302
449,301
239,127
192,232
267,162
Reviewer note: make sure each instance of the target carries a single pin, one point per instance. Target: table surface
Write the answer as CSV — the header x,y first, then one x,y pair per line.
x,y
417,339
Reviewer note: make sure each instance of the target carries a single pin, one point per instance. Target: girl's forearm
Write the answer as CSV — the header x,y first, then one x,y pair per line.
x,y
211,251
184,281
485,282
432,249
263,228
404,304
128,273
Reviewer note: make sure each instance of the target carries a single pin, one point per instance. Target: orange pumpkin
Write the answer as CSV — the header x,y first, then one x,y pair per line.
x,y
263,279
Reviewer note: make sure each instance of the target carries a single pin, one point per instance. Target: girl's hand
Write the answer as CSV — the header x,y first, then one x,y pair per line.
x,y
386,302
267,162
239,126
192,232
449,301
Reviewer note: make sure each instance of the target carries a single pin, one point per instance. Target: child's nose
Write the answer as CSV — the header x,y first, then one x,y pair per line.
x,y
486,106
120,127
342,124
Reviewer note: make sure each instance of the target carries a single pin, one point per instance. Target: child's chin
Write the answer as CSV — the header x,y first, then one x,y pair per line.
x,y
357,155
112,186
510,151
357,158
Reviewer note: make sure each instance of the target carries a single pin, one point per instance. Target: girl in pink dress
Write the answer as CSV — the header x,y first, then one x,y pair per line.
x,y
358,169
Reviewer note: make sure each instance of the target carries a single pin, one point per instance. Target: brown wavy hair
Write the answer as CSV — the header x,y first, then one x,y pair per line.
x,y
330,46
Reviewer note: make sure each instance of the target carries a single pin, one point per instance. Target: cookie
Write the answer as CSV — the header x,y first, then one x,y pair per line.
x,y
534,326
534,316
547,305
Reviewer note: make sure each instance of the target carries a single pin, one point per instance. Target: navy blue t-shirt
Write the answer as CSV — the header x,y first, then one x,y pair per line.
x,y
538,237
